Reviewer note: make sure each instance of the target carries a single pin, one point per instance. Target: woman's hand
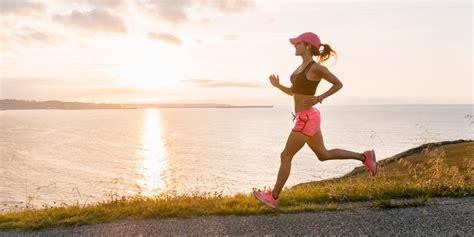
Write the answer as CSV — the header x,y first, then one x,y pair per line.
x,y
275,81
313,100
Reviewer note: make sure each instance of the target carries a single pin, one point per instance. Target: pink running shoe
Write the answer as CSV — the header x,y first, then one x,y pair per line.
x,y
370,162
266,198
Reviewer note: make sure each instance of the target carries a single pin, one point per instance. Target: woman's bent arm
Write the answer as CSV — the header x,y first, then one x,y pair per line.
x,y
275,81
323,72
331,90
286,90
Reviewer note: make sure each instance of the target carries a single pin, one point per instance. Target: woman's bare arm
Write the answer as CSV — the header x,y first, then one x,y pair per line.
x,y
286,90
324,73
275,81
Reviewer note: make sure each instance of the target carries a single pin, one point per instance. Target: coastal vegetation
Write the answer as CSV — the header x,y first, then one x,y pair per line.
x,y
443,169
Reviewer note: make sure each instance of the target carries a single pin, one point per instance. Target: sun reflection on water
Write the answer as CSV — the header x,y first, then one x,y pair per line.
x,y
153,154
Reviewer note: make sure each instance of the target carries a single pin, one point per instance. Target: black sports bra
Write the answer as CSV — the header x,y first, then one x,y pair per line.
x,y
301,85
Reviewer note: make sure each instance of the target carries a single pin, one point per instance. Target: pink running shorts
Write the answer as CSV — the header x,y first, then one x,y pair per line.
x,y
307,122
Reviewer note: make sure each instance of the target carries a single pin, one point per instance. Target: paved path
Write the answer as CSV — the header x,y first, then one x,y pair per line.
x,y
439,217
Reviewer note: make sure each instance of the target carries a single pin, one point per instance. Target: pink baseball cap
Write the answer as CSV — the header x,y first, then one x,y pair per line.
x,y
308,37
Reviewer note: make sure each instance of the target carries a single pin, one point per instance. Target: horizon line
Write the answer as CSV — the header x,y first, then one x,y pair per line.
x,y
263,104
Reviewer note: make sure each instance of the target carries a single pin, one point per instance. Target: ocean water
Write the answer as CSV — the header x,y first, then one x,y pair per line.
x,y
63,157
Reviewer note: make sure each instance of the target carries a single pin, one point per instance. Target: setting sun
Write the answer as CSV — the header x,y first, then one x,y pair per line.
x,y
148,65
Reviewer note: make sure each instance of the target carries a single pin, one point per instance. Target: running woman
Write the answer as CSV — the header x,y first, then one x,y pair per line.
x,y
306,130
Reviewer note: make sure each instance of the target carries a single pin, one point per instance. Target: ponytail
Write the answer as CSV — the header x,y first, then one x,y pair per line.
x,y
324,54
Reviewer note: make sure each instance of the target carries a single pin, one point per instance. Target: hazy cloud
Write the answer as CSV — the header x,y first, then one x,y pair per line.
x,y
34,37
166,10
205,20
269,20
105,3
231,37
64,90
231,84
21,7
174,11
217,83
95,20
108,91
24,36
165,37
228,6
197,80
48,82
118,91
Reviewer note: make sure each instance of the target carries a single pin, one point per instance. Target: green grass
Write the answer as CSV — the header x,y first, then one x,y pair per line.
x,y
431,170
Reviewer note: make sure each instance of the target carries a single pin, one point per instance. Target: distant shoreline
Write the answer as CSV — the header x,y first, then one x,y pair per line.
x,y
156,107
9,104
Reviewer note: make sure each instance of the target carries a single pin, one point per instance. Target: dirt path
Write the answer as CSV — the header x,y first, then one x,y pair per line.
x,y
439,217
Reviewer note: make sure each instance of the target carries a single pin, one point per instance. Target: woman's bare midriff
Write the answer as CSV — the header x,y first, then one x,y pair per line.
x,y
299,102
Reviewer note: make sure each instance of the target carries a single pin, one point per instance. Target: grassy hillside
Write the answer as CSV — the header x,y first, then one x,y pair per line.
x,y
430,170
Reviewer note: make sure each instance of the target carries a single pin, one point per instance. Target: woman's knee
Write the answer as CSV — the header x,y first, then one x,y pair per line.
x,y
323,155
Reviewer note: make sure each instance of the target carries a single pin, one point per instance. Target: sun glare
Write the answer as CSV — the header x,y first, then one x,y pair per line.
x,y
150,65
153,152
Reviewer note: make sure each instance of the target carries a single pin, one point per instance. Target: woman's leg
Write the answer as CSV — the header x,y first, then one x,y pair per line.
x,y
295,142
316,144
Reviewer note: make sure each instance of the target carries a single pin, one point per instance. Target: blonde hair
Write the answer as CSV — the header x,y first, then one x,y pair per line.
x,y
324,54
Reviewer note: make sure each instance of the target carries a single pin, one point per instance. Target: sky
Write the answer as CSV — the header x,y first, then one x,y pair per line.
x,y
210,51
